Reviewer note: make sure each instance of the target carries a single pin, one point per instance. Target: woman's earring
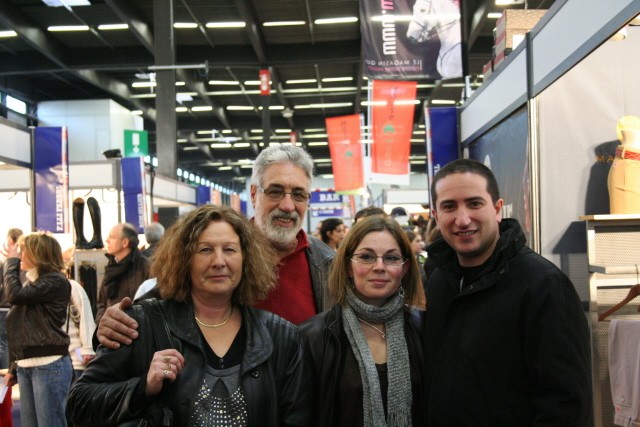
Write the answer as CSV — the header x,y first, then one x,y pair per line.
x,y
401,292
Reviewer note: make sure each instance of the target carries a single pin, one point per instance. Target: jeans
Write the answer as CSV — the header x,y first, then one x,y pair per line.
x,y
4,345
43,393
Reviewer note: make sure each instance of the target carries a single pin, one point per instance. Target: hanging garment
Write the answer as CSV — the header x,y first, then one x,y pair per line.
x,y
624,371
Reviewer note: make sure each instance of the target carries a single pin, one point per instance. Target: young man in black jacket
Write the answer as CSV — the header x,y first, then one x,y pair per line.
x,y
506,339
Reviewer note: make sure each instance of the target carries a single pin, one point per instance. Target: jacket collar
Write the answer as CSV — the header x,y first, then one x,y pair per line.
x,y
511,240
258,346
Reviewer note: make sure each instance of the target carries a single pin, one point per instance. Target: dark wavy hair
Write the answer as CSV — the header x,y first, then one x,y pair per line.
x,y
171,264
329,224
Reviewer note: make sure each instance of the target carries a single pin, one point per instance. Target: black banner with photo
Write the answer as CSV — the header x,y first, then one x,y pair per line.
x,y
411,39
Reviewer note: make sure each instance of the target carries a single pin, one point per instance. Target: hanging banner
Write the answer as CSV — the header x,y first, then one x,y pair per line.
x,y
136,143
51,169
265,82
393,106
411,39
133,187
203,195
235,203
441,130
216,197
346,153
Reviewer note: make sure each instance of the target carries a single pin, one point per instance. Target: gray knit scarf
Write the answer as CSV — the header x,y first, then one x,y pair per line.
x,y
399,377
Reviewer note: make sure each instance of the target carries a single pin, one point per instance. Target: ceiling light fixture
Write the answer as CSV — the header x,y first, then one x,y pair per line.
x,y
66,3
494,15
283,23
186,25
9,33
343,20
337,79
61,28
108,27
230,24
300,81
223,83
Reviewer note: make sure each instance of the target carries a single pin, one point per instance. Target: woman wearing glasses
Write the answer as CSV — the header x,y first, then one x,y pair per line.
x,y
365,351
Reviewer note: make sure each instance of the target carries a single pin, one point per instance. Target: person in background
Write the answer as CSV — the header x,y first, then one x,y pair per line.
x,y
368,211
126,268
400,215
5,406
505,336
366,351
152,234
316,232
38,344
332,232
12,237
231,365
417,246
280,196
80,326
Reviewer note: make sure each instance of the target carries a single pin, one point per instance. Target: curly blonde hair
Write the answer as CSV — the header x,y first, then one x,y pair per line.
x,y
172,260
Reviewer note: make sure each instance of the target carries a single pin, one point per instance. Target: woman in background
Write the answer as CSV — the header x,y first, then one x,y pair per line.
x,y
332,232
38,344
365,351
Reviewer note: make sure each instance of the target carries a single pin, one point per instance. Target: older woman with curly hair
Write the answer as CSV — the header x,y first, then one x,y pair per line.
x,y
232,364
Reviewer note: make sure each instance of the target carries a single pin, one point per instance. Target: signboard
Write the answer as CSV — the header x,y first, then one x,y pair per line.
x,y
51,169
136,143
134,189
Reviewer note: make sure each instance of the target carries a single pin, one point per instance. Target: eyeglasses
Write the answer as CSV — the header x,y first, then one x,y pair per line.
x,y
365,258
276,194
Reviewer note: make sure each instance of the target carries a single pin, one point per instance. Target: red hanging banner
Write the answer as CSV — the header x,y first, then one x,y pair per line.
x,y
346,153
393,106
265,82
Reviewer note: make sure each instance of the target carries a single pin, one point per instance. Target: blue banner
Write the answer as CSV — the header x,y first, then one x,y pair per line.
x,y
325,197
203,195
51,169
441,129
133,187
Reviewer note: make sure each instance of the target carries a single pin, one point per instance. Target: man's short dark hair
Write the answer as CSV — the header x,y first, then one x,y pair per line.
x,y
130,232
368,211
466,166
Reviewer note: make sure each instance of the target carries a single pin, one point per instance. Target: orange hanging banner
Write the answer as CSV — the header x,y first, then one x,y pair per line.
x,y
346,153
393,107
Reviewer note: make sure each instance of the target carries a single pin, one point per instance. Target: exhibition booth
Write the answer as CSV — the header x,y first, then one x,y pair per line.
x,y
545,122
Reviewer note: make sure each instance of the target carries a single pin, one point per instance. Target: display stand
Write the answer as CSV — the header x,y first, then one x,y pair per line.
x,y
89,267
614,262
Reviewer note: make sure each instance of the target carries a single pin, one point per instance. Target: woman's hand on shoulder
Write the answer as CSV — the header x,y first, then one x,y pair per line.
x,y
165,365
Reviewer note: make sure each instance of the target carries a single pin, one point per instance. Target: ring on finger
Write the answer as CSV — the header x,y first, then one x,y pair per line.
x,y
169,366
166,359
166,373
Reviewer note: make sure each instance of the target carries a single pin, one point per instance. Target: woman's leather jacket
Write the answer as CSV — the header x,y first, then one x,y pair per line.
x,y
273,375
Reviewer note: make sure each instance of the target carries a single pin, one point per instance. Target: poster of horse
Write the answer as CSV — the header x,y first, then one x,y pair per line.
x,y
411,39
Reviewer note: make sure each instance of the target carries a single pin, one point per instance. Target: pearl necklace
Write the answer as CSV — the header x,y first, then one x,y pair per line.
x,y
384,336
215,325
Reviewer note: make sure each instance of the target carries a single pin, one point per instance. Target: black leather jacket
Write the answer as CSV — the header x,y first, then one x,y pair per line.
x,y
320,257
273,375
38,311
324,350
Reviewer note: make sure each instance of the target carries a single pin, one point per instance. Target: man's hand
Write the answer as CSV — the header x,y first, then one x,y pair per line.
x,y
116,327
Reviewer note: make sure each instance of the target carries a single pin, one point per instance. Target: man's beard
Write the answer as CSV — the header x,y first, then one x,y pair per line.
x,y
282,237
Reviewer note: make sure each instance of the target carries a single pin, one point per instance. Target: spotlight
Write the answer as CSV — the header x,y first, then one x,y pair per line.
x,y
112,154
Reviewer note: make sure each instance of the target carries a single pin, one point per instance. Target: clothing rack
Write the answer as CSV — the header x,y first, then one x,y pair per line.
x,y
613,257
89,265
